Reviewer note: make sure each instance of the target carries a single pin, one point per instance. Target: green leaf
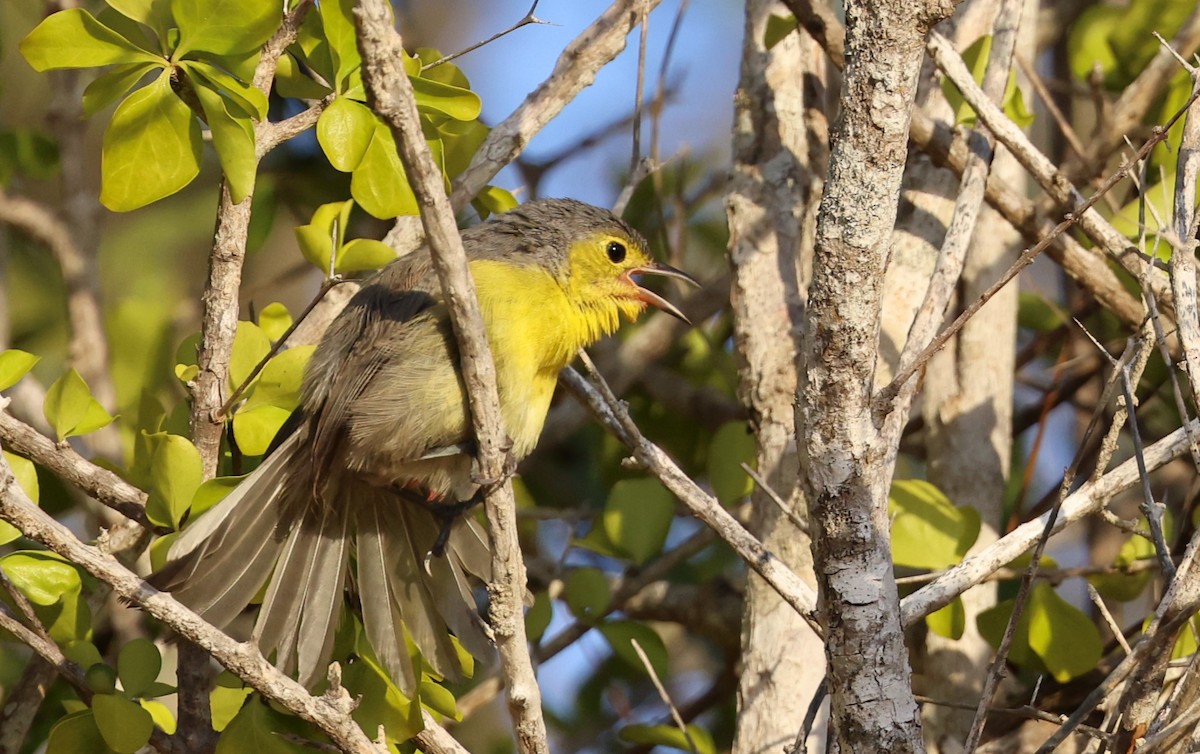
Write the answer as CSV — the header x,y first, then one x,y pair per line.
x,y
537,618
1087,44
226,699
246,101
1051,636
175,474
1035,312
224,27
453,101
462,140
41,576
70,408
110,87
363,254
381,703
153,13
1013,102
1125,587
244,97
250,346
638,516
151,148
928,531
257,728
75,39
138,666
26,475
279,382
950,621
101,678
274,319
233,137
438,699
15,364
338,21
160,715
778,28
211,492
125,725
76,733
697,739
324,233
1060,634
494,200
291,81
256,427
588,593
379,183
83,653
732,445
620,636
344,131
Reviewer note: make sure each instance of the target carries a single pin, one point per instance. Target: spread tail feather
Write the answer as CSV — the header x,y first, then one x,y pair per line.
x,y
222,559
302,606
269,527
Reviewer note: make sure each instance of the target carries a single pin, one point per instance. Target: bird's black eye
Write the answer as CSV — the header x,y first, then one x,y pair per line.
x,y
616,252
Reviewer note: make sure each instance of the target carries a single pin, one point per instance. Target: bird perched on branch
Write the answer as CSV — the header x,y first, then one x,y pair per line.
x,y
365,481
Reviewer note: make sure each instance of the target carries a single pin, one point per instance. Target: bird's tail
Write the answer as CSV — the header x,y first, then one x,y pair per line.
x,y
270,527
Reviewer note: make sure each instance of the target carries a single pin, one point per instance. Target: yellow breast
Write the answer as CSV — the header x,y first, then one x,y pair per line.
x,y
534,331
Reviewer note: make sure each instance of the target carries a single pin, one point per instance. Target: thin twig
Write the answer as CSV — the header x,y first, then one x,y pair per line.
x,y
597,396
1111,622
528,18
662,694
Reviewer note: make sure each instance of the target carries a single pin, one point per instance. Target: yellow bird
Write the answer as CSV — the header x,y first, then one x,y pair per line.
x,y
365,481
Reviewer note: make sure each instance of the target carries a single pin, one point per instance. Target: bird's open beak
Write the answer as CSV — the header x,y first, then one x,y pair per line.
x,y
655,300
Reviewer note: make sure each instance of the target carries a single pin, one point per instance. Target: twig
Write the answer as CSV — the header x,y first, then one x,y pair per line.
x,y
330,712
393,99
612,414
969,199
575,70
1083,212
329,284
220,317
1111,622
100,483
774,497
527,19
635,157
662,694
1090,497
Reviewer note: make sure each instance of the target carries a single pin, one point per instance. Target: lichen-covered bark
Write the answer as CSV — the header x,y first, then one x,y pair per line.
x,y
770,208
848,467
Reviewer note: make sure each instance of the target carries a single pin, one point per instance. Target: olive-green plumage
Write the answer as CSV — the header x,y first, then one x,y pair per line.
x,y
382,436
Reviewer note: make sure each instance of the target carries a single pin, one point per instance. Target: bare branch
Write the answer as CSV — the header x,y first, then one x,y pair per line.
x,y
392,97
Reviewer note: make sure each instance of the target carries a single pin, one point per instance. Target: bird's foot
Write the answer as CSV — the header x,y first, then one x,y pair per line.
x,y
489,483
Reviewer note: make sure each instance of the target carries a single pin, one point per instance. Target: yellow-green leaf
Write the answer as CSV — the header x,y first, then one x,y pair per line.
x,y
26,475
15,364
70,408
233,137
151,149
110,87
928,531
637,516
224,27
344,131
73,38
379,184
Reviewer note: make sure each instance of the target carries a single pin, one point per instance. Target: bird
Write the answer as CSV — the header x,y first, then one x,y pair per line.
x,y
364,486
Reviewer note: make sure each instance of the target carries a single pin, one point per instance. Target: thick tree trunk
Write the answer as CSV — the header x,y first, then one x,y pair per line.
x,y
849,461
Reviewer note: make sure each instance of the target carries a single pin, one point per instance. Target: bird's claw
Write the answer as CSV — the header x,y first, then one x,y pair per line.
x,y
489,483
